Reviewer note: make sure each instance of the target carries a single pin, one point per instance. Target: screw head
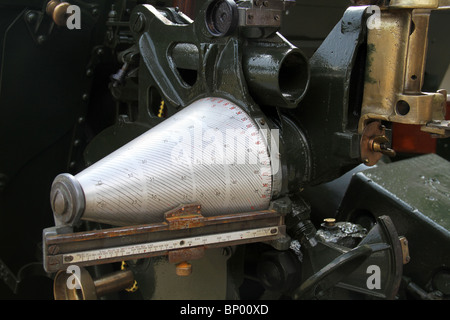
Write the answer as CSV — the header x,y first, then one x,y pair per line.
x,y
138,22
53,249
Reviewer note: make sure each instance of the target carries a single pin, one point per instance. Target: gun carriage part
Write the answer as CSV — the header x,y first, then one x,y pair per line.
x,y
205,125
397,48
419,209
187,66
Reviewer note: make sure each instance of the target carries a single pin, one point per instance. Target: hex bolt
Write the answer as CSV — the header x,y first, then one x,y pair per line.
x,y
282,207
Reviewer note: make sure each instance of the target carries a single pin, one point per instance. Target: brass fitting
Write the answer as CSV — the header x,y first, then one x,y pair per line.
x,y
395,68
58,11
183,269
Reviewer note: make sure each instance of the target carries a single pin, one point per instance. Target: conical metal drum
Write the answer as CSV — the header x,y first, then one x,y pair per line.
x,y
211,153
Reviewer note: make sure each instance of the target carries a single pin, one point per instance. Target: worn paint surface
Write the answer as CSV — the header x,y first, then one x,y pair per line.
x,y
423,183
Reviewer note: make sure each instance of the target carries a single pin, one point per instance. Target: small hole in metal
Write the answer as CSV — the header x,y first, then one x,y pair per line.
x,y
402,107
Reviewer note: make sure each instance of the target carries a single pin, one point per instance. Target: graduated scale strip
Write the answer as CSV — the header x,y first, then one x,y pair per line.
x,y
161,246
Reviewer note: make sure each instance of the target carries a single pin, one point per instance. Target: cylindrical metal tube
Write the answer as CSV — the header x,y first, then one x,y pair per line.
x,y
185,56
114,282
85,288
276,76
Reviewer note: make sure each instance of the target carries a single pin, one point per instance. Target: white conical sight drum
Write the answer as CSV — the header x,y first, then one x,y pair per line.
x,y
211,153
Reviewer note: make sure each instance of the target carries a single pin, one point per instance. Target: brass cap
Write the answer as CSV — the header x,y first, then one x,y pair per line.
x,y
184,269
329,222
